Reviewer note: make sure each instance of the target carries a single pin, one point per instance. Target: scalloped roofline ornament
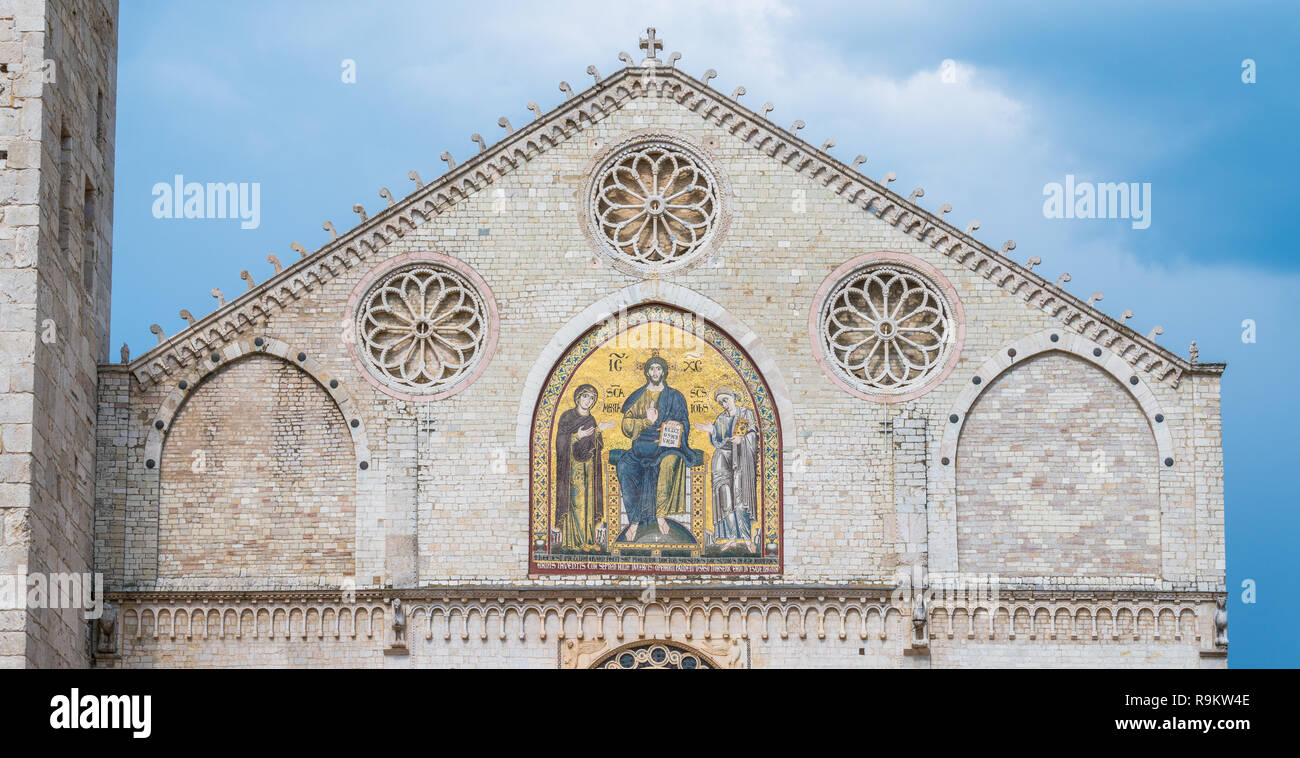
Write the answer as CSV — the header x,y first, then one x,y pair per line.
x,y
575,113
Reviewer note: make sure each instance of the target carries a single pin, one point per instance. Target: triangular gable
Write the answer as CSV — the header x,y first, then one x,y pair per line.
x,y
575,114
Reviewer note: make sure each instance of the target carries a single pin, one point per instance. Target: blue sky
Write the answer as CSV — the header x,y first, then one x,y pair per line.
x,y
253,92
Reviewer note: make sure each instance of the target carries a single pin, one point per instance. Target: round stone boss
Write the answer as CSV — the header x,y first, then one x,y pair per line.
x,y
655,203
424,326
887,327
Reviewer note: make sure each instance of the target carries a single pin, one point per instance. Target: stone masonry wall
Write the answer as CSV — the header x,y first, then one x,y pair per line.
x,y
56,195
446,494
257,490
1057,473
523,236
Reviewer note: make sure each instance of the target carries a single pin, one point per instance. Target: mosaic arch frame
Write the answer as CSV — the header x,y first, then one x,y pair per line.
x,y
694,543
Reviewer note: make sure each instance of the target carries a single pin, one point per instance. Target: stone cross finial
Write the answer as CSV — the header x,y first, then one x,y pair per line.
x,y
158,331
248,278
126,353
360,210
299,249
1062,279
189,317
1125,316
414,176
1007,246
651,46
274,261
221,299
385,194
567,90
917,194
1194,352
858,161
1034,260
1095,297
329,227
594,73
1155,332
710,74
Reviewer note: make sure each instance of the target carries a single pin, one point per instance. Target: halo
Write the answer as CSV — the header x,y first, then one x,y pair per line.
x,y
737,388
600,391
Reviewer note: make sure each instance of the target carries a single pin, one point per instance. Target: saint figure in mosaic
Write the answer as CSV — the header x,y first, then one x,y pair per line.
x,y
734,436
579,489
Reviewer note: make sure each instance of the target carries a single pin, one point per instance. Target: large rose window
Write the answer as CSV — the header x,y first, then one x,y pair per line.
x,y
886,329
654,205
421,328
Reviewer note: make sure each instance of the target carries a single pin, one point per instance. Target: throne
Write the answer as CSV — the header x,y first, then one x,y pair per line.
x,y
688,536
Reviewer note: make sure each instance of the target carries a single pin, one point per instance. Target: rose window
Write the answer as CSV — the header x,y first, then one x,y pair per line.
x,y
421,328
886,329
654,656
654,204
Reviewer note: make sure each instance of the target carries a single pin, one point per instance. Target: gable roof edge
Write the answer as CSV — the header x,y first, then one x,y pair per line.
x,y
173,354
221,326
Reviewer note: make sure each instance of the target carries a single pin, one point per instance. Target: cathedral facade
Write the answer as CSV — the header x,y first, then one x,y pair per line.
x,y
650,381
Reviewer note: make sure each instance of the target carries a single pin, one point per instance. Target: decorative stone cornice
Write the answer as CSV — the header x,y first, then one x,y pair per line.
x,y
811,612
572,116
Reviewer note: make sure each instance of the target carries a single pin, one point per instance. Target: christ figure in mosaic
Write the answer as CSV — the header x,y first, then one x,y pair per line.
x,y
652,473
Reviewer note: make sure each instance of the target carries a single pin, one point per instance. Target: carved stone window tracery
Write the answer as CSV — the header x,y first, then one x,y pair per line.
x,y
886,329
655,204
657,655
421,328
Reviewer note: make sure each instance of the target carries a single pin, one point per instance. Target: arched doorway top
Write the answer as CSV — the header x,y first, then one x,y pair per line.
x,y
655,654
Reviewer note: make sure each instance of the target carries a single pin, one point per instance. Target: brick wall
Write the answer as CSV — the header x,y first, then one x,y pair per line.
x,y
1057,473
257,479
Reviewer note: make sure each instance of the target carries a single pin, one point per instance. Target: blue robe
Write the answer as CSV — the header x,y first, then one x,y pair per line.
x,y
638,468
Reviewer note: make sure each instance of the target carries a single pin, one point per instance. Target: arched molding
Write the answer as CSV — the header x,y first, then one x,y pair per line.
x,y
185,387
145,530
1059,341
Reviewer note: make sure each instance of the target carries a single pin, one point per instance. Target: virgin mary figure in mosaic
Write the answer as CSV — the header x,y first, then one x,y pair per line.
x,y
579,485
